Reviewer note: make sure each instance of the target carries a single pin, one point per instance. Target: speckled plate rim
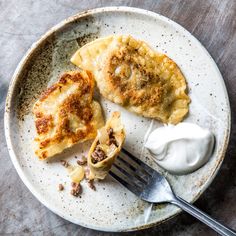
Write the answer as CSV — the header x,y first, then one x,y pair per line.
x,y
9,100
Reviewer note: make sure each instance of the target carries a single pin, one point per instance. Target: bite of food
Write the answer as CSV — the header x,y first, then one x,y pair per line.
x,y
106,147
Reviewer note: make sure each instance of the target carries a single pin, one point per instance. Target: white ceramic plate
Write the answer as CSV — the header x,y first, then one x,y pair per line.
x,y
112,207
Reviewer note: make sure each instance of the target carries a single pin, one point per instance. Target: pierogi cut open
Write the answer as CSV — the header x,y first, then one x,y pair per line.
x,y
128,72
106,147
66,114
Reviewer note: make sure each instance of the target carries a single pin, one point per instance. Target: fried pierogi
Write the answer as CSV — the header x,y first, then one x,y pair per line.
x,y
128,72
106,147
66,114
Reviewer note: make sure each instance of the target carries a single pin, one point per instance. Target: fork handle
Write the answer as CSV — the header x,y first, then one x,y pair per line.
x,y
203,217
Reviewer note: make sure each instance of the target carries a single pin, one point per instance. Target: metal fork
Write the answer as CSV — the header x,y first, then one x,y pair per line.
x,y
152,187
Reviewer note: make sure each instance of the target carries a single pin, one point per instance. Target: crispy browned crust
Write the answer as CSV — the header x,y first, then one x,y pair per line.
x,y
146,90
56,128
144,84
43,124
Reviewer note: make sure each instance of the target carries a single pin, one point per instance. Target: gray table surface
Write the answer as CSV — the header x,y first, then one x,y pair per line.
x,y
23,21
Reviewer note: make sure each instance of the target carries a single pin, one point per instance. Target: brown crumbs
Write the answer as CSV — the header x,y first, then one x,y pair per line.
x,y
91,184
76,189
60,187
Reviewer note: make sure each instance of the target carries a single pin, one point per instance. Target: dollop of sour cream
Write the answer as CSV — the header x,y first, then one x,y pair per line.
x,y
182,148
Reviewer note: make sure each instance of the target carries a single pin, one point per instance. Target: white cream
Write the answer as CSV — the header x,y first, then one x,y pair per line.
x,y
180,149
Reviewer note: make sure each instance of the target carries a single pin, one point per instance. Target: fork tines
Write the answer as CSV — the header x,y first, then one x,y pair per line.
x,y
131,172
